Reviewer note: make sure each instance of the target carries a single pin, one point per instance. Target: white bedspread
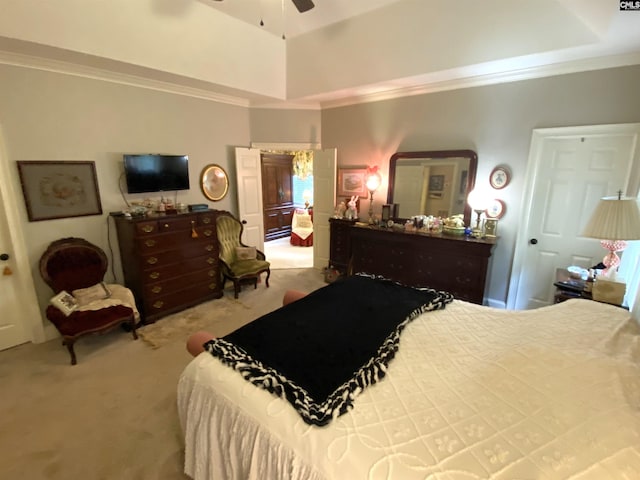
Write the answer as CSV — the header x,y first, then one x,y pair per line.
x,y
474,392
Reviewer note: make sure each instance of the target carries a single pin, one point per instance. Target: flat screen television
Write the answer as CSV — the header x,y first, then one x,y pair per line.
x,y
156,173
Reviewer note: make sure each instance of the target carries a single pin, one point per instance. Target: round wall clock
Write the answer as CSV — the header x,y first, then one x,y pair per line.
x,y
497,209
500,177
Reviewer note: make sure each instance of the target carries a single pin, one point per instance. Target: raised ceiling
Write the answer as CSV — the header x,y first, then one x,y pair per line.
x,y
338,53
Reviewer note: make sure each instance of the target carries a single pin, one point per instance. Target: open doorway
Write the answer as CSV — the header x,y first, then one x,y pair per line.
x,y
287,197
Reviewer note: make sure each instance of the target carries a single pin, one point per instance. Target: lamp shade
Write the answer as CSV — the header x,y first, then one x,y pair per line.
x,y
478,199
615,218
373,178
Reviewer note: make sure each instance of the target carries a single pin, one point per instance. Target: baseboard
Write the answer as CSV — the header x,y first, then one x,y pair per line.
x,y
496,303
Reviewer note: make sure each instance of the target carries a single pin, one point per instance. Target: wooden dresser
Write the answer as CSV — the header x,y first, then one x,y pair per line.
x,y
455,264
170,262
340,243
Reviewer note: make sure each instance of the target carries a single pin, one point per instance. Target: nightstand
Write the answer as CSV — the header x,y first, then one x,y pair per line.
x,y
568,287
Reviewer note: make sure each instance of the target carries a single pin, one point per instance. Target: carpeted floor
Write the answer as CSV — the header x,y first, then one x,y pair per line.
x,y
113,415
281,254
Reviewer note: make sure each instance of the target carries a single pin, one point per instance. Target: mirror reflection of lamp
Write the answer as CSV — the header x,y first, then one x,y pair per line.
x,y
373,179
479,201
306,195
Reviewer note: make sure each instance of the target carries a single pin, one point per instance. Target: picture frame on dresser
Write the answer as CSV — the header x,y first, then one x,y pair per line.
x,y
59,189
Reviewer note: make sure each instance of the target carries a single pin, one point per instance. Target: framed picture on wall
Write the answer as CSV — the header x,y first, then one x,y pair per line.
x,y
436,183
352,181
59,189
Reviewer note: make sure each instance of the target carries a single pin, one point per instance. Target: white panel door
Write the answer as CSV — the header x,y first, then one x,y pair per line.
x,y
21,319
249,175
568,175
324,197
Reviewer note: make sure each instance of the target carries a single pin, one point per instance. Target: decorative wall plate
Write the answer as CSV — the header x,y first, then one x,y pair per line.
x,y
500,177
496,209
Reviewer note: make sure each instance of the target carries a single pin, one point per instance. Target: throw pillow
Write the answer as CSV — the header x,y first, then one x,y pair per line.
x,y
99,291
65,302
304,221
246,253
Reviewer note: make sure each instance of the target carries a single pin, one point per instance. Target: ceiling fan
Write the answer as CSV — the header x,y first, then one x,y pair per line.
x,y
301,5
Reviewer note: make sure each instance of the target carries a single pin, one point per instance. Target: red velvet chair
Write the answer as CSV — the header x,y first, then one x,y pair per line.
x,y
71,264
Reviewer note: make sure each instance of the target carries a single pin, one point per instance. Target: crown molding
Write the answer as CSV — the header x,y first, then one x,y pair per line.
x,y
477,80
68,68
466,78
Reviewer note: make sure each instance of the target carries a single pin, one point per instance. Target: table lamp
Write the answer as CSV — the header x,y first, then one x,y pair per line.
x,y
614,220
373,179
479,202
306,195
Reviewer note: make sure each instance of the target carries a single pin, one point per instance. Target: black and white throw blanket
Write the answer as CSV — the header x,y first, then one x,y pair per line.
x,y
321,351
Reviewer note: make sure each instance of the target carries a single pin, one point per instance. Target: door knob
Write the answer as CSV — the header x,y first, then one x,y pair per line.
x,y
533,241
4,256
244,222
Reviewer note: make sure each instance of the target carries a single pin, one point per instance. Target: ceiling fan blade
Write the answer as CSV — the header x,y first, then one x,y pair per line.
x,y
303,5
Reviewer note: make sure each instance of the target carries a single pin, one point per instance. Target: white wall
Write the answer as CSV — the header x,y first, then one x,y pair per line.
x,y
495,121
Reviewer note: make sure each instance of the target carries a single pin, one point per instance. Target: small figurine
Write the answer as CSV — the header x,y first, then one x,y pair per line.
x,y
340,210
352,212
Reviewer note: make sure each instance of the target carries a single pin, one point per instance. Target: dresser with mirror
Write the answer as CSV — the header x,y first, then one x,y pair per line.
x,y
421,183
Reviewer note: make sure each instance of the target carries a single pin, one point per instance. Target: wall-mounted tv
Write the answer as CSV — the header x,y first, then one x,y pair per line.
x,y
156,173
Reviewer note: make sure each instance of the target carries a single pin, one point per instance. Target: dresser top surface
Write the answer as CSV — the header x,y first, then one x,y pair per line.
x,y
440,236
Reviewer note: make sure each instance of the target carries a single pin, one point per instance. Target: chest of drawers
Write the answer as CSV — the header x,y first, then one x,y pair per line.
x,y
170,262
458,265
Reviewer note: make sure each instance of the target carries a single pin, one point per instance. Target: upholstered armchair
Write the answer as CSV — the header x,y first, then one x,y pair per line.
x,y
302,228
74,269
239,262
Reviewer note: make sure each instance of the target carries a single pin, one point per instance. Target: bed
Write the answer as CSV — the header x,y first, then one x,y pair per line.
x,y
472,392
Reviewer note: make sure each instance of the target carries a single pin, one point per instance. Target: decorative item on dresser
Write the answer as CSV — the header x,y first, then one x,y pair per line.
x,y
170,262
277,195
457,264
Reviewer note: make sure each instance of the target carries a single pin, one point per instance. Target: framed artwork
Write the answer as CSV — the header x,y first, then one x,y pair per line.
x,y
214,182
463,182
59,189
496,209
500,177
436,183
352,181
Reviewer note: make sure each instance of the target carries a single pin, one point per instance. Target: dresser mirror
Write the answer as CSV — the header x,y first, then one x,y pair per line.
x,y
432,183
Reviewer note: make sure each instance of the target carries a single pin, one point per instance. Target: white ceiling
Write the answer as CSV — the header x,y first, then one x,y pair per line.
x,y
340,52
281,16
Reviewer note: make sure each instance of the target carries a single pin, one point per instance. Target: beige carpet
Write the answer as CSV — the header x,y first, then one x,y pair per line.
x,y
281,254
113,415
220,317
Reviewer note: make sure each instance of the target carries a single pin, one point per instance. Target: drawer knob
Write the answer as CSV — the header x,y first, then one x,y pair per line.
x,y
156,289
158,304
211,260
208,233
166,225
154,275
148,228
208,248
212,286
211,273
150,243
206,220
152,260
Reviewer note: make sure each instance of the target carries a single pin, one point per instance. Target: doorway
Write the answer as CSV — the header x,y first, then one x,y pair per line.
x,y
287,186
